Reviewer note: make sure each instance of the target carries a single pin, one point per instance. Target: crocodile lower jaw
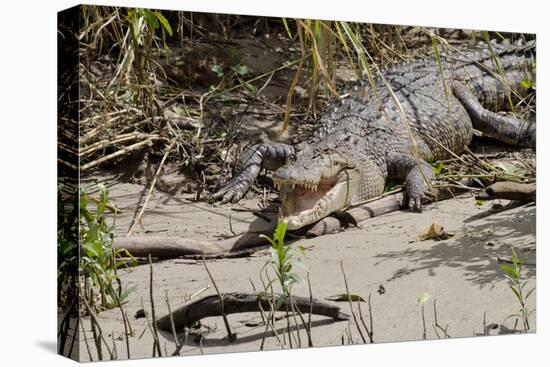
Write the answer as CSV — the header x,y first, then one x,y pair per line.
x,y
306,205
294,222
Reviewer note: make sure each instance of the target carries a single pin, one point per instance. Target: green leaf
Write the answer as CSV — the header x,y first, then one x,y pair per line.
x,y
518,296
251,87
279,302
280,231
217,69
269,240
509,270
297,278
285,23
126,293
241,69
480,202
421,299
528,294
526,84
90,252
150,18
438,168
233,52
83,201
515,259
164,22
344,297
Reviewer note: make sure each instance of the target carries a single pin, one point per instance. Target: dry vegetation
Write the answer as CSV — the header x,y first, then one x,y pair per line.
x,y
180,87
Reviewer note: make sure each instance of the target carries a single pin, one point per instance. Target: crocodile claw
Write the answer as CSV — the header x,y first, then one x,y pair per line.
x,y
233,191
226,195
415,203
418,198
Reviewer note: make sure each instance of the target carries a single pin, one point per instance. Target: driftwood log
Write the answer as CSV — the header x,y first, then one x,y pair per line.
x,y
186,316
509,191
171,247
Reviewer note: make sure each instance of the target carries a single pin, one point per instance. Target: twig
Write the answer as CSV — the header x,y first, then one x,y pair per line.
x,y
265,320
156,334
115,154
231,226
295,320
126,326
508,260
115,352
150,326
369,332
148,196
350,303
270,319
65,324
252,284
453,186
95,324
207,287
294,82
230,335
172,326
436,325
423,323
370,319
84,151
85,339
310,341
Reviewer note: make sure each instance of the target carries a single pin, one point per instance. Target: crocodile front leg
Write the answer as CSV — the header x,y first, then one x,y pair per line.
x,y
417,177
507,129
253,158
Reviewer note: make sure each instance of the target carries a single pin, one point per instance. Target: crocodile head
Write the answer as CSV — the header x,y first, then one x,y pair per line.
x,y
319,182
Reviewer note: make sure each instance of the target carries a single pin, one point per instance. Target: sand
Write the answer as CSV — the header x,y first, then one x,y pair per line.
x,y
382,258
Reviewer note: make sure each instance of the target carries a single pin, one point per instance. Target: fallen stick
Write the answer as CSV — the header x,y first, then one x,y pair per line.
x,y
510,191
186,316
171,247
387,204
358,214
137,218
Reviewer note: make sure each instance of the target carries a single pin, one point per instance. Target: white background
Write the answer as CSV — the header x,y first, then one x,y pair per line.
x,y
28,181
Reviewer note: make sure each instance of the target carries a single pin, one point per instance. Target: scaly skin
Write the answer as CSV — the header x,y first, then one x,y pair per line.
x,y
362,140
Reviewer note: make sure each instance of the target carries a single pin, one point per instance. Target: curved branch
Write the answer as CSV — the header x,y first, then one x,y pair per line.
x,y
209,306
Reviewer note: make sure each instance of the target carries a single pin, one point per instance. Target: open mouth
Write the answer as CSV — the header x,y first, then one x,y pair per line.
x,y
300,198
306,202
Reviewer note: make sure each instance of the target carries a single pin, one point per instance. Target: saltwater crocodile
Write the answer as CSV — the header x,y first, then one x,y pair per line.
x,y
414,113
